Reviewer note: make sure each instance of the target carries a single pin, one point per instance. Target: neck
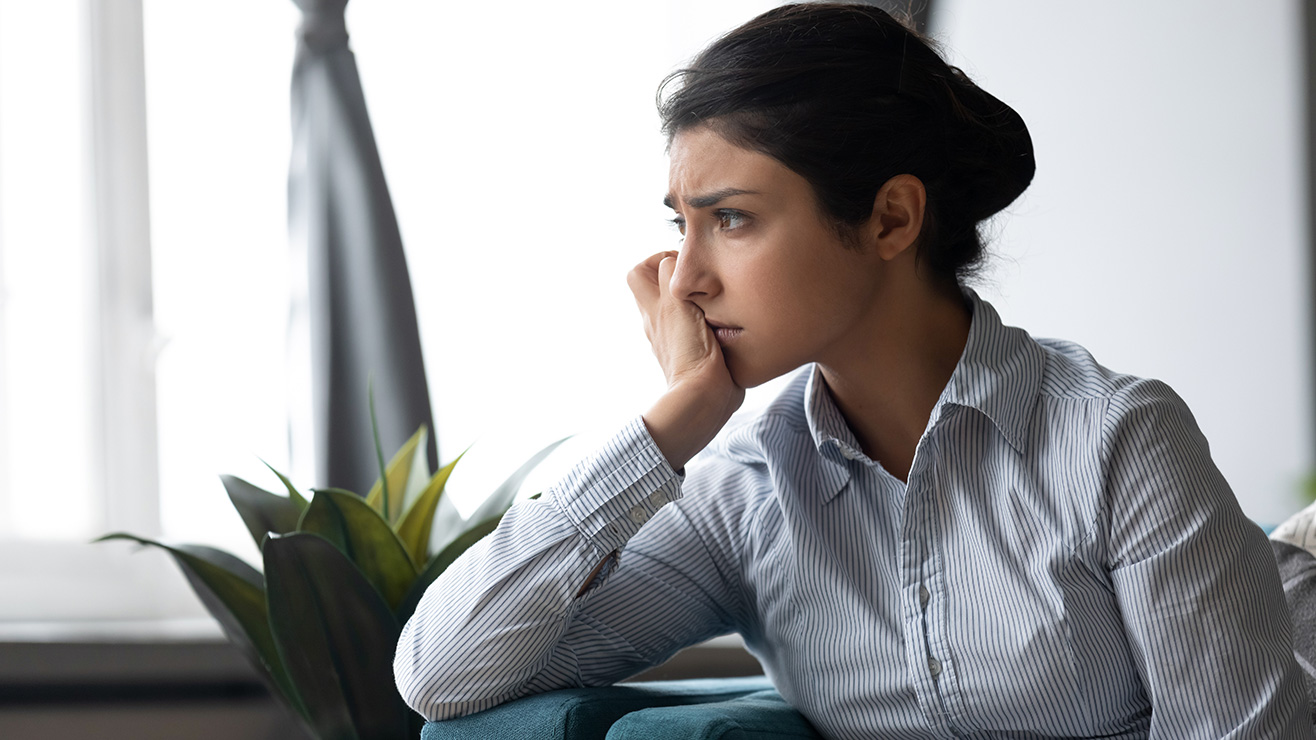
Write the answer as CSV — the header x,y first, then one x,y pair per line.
x,y
887,381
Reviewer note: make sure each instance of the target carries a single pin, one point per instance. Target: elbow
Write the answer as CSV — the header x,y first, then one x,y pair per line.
x,y
423,682
439,682
408,677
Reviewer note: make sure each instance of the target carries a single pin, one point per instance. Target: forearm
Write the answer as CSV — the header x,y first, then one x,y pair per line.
x,y
687,417
491,628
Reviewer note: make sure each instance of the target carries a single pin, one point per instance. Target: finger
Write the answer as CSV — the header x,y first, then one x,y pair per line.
x,y
666,267
659,257
644,287
648,269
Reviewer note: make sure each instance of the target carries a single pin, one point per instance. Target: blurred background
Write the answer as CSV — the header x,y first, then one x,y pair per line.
x,y
146,284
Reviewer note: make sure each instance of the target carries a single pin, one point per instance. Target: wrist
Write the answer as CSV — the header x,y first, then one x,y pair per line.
x,y
687,417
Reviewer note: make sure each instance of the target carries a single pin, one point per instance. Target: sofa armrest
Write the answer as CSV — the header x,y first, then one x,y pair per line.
x,y
697,708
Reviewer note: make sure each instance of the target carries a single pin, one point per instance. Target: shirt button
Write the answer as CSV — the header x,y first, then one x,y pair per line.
x,y
934,667
923,596
638,515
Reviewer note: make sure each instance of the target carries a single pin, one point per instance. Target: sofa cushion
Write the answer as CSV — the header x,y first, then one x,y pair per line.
x,y
764,715
572,714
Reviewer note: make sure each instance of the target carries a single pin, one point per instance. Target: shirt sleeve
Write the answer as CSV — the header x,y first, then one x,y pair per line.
x,y
511,616
1196,581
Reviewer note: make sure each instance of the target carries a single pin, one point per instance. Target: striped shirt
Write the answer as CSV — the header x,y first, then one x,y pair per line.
x,y
1065,561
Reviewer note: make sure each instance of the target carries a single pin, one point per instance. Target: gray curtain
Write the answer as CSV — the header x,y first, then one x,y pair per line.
x,y
362,313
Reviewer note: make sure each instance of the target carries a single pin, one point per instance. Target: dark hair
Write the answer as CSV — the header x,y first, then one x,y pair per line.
x,y
848,97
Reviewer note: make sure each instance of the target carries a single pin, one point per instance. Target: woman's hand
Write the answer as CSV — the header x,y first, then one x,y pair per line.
x,y
701,395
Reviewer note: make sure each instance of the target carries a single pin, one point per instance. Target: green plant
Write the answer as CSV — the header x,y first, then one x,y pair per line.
x,y
342,574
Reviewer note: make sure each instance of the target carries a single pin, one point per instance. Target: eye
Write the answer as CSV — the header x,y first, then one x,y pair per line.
x,y
728,220
678,223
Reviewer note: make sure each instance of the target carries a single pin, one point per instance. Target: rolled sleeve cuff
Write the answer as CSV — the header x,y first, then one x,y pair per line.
x,y
613,493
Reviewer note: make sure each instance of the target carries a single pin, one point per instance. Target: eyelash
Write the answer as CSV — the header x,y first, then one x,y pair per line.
x,y
723,215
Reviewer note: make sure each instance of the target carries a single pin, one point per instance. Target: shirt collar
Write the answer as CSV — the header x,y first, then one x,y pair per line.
x,y
999,374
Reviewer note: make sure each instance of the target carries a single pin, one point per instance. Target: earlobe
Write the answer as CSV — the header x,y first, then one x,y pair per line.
x,y
897,216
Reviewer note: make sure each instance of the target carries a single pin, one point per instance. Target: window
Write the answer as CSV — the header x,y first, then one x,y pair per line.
x,y
78,399
45,271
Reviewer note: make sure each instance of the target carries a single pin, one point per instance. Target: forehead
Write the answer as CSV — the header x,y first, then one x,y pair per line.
x,y
701,161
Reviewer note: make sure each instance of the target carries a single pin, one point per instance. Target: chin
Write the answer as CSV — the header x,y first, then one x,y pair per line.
x,y
752,377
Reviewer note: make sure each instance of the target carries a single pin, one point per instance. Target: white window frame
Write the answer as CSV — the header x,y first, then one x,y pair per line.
x,y
73,581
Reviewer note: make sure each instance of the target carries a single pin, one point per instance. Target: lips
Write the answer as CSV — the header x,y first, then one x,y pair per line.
x,y
725,334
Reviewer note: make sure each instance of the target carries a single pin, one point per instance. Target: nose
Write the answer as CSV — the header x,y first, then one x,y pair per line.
x,y
695,276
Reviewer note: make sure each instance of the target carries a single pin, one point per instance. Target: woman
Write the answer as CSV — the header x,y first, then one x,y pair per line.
x,y
942,527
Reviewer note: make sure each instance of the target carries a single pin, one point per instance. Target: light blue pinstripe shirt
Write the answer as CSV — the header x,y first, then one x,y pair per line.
x,y
1065,561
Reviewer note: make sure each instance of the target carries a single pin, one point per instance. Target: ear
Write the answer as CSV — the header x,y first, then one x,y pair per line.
x,y
897,216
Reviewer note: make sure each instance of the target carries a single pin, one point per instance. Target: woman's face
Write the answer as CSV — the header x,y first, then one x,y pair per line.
x,y
777,284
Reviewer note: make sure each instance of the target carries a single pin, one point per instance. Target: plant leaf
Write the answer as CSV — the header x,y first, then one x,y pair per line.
x,y
396,477
261,511
381,505
336,636
440,563
449,523
417,524
419,477
293,493
360,533
501,499
234,593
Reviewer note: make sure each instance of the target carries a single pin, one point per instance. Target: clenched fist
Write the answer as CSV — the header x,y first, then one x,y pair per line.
x,y
701,395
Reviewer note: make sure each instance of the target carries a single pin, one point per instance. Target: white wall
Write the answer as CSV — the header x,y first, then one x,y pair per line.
x,y
1165,229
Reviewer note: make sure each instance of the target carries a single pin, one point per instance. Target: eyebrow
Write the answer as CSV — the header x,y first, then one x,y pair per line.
x,y
710,199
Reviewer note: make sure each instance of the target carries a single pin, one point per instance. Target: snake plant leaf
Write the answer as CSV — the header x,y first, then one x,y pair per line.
x,y
417,524
336,637
293,493
440,563
261,511
398,473
234,593
358,531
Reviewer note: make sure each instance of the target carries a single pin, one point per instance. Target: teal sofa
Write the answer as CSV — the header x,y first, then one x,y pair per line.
x,y
720,708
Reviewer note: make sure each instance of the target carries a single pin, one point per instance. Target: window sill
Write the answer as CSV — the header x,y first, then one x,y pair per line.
x,y
40,656
191,652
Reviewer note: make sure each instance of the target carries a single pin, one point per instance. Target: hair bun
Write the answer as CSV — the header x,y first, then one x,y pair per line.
x,y
993,152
